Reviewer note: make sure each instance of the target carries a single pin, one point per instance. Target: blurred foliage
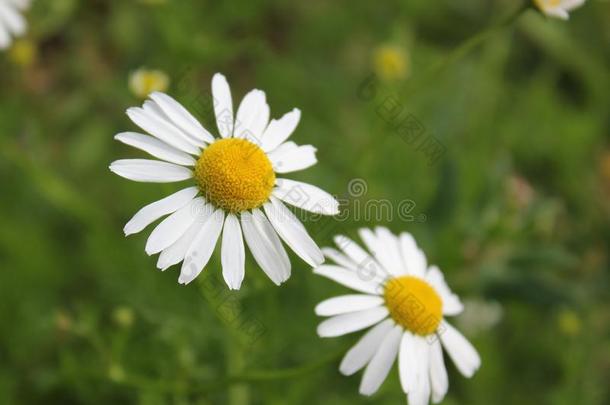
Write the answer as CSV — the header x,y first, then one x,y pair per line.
x,y
515,211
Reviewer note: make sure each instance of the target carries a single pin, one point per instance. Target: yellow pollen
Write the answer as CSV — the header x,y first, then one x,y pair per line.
x,y
544,4
413,304
391,63
235,175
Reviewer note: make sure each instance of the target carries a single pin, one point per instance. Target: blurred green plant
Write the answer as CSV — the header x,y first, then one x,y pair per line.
x,y
516,211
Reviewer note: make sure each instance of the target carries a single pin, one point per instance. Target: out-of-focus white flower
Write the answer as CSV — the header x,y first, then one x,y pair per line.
x,y
142,82
12,23
479,315
558,8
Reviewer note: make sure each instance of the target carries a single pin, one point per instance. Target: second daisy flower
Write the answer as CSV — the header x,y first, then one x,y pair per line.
x,y
405,301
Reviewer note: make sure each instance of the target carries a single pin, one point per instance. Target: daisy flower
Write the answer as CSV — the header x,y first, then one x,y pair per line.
x,y
234,188
558,8
405,301
12,23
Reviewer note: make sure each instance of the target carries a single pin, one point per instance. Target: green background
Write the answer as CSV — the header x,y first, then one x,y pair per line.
x,y
515,212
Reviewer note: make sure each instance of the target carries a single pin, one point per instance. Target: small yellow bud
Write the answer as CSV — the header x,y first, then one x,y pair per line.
x,y
391,63
116,373
23,52
142,82
123,316
569,322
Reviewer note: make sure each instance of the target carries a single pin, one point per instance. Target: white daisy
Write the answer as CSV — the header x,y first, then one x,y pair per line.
x,y
12,23
558,8
405,301
235,190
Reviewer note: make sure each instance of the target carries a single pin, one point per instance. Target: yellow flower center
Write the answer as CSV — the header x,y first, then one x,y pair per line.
x,y
235,175
413,304
23,52
391,63
544,4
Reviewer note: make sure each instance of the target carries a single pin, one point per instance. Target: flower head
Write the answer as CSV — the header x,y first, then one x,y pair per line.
x,y
142,82
569,322
391,62
23,52
404,301
558,8
12,23
235,188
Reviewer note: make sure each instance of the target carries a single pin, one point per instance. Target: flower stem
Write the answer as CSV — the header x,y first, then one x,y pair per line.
x,y
467,46
474,41
239,393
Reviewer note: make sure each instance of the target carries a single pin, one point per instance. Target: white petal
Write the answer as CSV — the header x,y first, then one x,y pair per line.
x,y
406,362
174,226
202,247
233,255
416,365
413,258
391,252
438,373
292,231
223,105
572,4
452,305
463,354
353,250
175,253
150,213
306,196
381,363
273,260
451,302
181,117
150,171
370,239
153,109
283,148
13,21
279,130
352,322
294,159
150,122
347,303
362,352
557,13
339,258
420,395
384,247
21,4
349,279
266,230
367,267
252,117
156,148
